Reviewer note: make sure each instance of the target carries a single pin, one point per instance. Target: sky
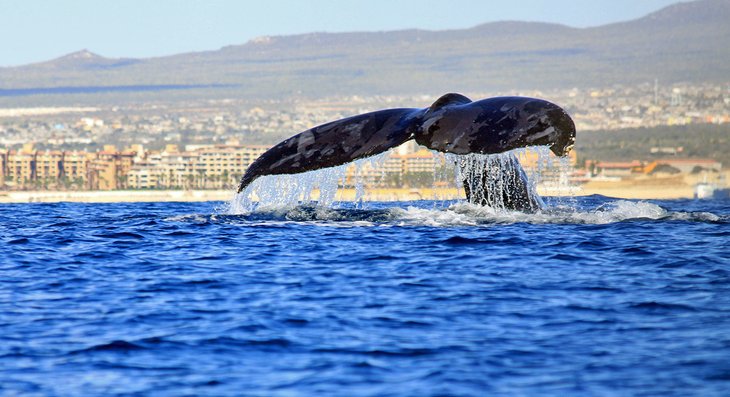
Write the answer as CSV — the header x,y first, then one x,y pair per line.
x,y
39,30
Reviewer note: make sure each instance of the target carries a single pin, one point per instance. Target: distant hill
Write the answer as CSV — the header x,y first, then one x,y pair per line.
x,y
683,42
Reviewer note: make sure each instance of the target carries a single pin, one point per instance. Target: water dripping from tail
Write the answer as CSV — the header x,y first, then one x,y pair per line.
x,y
273,192
319,188
497,181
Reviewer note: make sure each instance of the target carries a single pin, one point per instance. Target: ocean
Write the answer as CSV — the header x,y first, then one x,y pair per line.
x,y
593,296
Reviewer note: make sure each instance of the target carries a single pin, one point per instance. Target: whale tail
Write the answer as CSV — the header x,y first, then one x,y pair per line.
x,y
452,124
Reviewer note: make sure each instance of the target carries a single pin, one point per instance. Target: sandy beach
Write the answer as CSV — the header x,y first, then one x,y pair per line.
x,y
114,196
669,188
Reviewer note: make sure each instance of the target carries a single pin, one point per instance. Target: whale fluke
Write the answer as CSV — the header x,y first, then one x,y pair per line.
x,y
452,124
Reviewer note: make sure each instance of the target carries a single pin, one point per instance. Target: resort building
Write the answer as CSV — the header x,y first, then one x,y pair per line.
x,y
75,168
20,167
48,167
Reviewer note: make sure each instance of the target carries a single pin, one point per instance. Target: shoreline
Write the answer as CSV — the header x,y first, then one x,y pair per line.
x,y
114,196
622,190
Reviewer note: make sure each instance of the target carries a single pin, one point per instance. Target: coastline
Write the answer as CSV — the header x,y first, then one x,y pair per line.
x,y
624,189
114,196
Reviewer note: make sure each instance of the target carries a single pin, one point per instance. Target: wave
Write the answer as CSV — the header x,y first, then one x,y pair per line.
x,y
450,214
465,214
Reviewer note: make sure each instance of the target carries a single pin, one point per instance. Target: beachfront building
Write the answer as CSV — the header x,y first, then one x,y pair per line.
x,y
420,168
366,172
109,170
19,167
144,175
48,168
75,168
3,161
167,169
28,168
198,167
175,169
412,168
421,161
222,166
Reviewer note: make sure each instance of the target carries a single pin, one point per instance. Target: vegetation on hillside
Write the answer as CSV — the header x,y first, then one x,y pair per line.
x,y
696,140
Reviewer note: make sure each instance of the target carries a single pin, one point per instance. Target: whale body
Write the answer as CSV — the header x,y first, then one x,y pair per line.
x,y
452,124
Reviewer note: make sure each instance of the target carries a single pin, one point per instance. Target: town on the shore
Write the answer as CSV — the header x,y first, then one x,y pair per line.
x,y
209,144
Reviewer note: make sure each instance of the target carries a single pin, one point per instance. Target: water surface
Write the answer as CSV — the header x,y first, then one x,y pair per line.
x,y
596,296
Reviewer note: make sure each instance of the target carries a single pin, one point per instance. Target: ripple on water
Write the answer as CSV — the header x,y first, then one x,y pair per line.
x,y
420,298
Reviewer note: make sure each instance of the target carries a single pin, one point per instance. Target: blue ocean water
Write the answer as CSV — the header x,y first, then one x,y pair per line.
x,y
595,296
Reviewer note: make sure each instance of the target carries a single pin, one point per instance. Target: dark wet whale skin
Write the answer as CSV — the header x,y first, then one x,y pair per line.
x,y
452,124
495,125
336,143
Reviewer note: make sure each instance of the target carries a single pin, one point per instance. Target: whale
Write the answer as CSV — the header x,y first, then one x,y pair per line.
x,y
452,124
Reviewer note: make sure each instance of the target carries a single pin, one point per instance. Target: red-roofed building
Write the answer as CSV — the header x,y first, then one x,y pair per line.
x,y
616,168
686,165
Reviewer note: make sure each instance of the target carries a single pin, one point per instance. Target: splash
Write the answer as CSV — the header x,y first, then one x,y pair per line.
x,y
314,188
496,180
466,214
314,196
455,214
279,191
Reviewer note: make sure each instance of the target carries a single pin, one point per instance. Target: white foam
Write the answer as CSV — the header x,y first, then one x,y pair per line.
x,y
465,214
694,216
622,210
189,218
453,215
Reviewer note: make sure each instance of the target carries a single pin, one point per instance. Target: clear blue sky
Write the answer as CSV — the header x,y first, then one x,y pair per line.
x,y
38,30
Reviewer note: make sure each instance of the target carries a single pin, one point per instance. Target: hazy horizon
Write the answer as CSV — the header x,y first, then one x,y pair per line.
x,y
138,29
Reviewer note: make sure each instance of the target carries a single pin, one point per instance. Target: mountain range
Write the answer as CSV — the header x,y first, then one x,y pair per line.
x,y
684,42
